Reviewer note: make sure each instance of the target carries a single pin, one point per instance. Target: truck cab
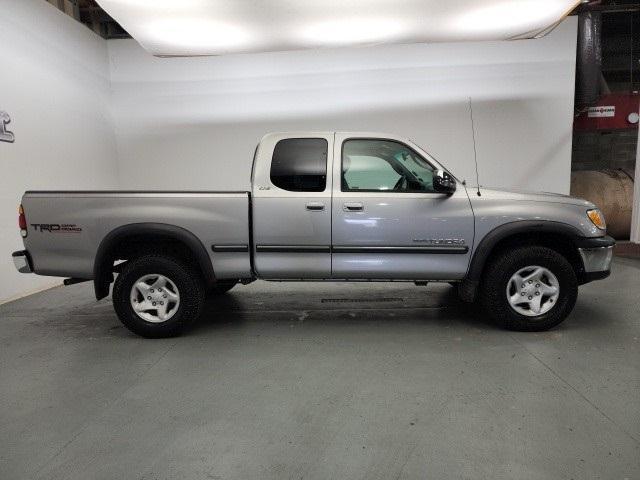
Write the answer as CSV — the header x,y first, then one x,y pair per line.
x,y
354,206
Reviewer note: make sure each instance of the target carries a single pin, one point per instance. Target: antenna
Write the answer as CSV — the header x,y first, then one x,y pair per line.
x,y
475,154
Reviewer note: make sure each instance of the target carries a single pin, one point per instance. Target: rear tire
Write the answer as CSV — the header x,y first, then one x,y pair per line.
x,y
529,289
164,280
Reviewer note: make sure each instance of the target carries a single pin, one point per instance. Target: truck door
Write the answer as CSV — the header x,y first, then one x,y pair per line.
x,y
292,206
388,222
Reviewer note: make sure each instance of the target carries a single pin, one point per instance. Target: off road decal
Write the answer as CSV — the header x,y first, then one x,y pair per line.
x,y
56,227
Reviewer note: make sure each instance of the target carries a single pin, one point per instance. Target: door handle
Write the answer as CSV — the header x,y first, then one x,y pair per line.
x,y
353,207
315,206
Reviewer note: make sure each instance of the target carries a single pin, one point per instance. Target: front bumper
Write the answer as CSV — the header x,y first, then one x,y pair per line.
x,y
596,258
22,261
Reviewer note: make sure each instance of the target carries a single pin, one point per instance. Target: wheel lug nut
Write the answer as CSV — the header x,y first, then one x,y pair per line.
x,y
523,285
154,303
152,289
537,285
537,293
530,281
522,294
530,297
161,303
164,296
149,298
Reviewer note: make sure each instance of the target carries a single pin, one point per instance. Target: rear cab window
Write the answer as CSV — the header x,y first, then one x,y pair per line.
x,y
300,164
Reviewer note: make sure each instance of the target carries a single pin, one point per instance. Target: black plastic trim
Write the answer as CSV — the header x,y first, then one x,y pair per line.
x,y
469,286
27,255
116,192
250,217
102,270
446,249
72,281
587,277
492,238
594,242
230,248
449,249
293,249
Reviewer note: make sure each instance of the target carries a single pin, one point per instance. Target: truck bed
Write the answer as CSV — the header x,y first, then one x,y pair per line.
x,y
68,226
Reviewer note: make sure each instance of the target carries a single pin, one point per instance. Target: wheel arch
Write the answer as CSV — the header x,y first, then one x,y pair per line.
x,y
132,238
558,236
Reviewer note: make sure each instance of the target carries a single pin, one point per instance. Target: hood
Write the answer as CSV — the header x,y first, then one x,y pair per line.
x,y
527,196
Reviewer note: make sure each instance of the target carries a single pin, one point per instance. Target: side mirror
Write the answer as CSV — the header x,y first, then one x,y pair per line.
x,y
444,183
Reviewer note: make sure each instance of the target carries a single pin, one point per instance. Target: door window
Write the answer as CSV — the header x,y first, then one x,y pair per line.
x,y
300,164
371,165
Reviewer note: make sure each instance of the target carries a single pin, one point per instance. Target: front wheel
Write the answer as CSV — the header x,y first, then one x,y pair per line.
x,y
158,296
529,289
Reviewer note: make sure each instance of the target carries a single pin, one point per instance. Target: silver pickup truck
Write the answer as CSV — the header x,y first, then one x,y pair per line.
x,y
327,206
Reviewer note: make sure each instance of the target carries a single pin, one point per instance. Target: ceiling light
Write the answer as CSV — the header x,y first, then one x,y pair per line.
x,y
197,36
517,17
214,27
351,31
156,4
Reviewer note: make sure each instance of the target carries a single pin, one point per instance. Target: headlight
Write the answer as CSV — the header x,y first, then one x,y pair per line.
x,y
597,218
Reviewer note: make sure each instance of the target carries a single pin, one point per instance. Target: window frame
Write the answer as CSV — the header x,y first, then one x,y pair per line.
x,y
327,184
408,147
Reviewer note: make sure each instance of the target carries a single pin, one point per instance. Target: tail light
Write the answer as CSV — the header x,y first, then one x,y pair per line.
x,y
22,221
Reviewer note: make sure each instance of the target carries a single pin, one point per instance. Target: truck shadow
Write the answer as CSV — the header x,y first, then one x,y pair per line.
x,y
70,311
412,304
438,304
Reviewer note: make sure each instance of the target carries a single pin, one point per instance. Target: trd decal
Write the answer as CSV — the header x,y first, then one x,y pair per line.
x,y
56,227
5,135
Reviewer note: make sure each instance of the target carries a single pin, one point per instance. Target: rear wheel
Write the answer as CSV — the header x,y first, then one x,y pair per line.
x,y
158,296
529,289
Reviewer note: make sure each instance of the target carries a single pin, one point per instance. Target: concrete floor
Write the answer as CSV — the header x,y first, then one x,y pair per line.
x,y
322,381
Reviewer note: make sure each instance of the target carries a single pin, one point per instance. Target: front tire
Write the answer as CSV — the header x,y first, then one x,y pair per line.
x,y
529,289
157,296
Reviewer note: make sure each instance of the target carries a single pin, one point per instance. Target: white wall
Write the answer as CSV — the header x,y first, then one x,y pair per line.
x,y
54,83
193,122
91,114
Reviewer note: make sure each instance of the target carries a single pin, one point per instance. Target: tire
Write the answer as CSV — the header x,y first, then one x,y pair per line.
x,y
499,285
222,287
182,308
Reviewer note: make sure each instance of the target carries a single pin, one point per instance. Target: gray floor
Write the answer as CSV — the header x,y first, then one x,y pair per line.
x,y
322,381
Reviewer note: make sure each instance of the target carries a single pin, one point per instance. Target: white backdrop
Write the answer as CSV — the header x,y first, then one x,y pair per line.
x,y
92,114
54,83
194,122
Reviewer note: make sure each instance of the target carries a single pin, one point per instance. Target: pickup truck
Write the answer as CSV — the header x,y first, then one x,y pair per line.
x,y
323,206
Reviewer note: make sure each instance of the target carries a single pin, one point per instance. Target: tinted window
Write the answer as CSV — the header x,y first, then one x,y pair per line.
x,y
384,165
300,164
